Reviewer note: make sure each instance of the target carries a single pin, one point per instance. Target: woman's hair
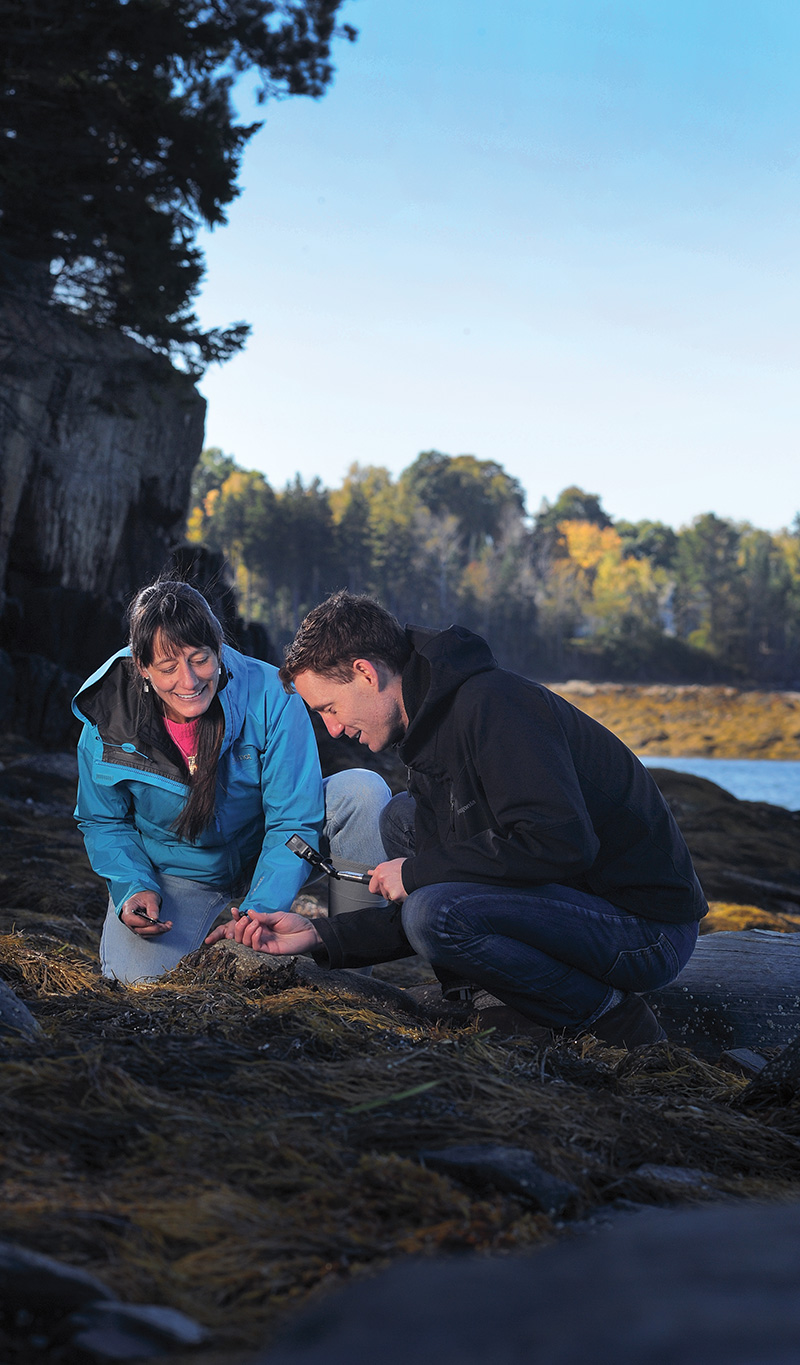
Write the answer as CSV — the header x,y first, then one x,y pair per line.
x,y
176,615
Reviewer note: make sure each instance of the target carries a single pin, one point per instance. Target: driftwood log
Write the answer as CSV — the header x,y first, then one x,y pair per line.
x,y
737,990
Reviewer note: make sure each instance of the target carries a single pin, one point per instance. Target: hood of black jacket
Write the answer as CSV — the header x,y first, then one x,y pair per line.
x,y
441,661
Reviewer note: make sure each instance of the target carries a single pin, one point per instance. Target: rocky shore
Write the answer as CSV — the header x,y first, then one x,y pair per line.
x,y
202,1157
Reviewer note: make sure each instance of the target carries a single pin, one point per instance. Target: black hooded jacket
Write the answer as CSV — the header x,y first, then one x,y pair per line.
x,y
515,786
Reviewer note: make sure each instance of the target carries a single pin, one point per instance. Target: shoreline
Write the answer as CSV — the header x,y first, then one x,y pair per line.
x,y
692,720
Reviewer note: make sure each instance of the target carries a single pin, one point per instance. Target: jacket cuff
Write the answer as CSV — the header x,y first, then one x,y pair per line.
x,y
329,953
407,875
361,938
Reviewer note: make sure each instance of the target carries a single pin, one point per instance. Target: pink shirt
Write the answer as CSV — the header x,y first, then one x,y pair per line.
x,y
184,734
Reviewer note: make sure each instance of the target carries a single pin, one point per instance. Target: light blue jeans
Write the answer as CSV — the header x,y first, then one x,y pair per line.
x,y
551,952
354,800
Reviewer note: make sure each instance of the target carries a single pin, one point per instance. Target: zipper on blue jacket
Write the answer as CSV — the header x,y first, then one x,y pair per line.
x,y
131,749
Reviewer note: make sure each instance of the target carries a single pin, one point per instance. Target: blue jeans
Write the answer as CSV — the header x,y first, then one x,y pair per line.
x,y
551,952
353,803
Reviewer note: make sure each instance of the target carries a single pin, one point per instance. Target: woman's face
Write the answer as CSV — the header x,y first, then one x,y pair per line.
x,y
185,680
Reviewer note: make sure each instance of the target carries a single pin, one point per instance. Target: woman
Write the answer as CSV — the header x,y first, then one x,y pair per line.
x,y
195,767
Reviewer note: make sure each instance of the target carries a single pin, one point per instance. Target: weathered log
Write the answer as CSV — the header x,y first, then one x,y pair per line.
x,y
737,990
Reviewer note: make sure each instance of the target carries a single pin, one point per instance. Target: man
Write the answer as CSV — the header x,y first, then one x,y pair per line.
x,y
543,863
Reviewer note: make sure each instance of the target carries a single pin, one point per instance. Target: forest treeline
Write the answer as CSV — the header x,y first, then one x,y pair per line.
x,y
568,591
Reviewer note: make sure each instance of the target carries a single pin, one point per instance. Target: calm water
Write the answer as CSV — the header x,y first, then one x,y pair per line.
x,y
751,779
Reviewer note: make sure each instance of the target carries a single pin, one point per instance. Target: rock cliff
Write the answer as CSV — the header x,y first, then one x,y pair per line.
x,y
98,439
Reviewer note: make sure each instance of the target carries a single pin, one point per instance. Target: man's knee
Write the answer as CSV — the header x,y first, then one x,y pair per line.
x,y
424,913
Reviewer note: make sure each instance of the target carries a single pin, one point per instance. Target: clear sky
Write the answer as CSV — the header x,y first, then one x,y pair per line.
x,y
559,234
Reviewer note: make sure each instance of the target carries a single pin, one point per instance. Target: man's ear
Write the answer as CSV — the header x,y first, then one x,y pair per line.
x,y
367,672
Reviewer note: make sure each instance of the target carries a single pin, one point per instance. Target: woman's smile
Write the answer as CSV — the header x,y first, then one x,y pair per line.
x,y
185,682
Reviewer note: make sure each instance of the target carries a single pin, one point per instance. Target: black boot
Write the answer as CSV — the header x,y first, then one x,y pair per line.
x,y
629,1024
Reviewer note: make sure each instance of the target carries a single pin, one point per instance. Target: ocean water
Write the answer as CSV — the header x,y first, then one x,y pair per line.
x,y
751,779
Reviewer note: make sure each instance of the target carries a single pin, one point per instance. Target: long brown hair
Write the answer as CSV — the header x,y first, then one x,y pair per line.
x,y
178,615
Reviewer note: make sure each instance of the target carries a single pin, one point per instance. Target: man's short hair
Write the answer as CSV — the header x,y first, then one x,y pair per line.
x,y
345,627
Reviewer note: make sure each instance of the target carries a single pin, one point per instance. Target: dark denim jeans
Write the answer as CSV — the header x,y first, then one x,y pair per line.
x,y
551,952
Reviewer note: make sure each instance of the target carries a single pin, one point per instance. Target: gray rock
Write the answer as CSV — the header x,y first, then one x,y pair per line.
x,y
778,1081
45,1288
505,1168
744,1060
699,1287
127,1331
16,1019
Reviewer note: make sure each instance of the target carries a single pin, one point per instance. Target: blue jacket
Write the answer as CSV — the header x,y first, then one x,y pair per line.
x,y
131,789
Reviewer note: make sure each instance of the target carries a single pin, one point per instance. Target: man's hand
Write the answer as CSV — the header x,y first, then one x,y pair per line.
x,y
387,880
278,932
140,914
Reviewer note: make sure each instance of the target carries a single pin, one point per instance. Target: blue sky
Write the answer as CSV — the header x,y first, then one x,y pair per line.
x,y
562,236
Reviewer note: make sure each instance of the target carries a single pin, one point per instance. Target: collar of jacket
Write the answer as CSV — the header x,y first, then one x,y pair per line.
x,y
441,660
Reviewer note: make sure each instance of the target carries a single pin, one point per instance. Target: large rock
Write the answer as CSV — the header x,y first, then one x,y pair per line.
x,y
98,440
746,852
705,1287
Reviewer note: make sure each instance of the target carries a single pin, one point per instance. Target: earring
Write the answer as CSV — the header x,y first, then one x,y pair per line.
x,y
146,685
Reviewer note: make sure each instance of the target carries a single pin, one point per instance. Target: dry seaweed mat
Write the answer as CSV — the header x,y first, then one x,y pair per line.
x,y
227,1143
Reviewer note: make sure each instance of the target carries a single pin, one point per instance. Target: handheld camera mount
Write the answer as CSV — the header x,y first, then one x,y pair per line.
x,y
304,850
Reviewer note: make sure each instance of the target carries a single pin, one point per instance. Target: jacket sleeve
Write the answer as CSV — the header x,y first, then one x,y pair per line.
x,y
521,817
292,801
105,819
360,938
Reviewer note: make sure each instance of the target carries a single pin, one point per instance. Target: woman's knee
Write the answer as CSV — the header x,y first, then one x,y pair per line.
x,y
397,826
354,791
354,800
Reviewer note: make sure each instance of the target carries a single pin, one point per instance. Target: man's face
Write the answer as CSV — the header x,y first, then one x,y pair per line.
x,y
368,708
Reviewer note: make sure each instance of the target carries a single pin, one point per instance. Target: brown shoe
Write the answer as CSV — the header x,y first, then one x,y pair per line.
x,y
629,1024
508,1023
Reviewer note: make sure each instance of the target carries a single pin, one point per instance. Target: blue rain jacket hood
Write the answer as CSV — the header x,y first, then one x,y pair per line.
x,y
132,787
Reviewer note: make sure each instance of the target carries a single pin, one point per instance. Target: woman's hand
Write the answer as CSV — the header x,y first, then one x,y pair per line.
x,y
387,880
278,932
140,915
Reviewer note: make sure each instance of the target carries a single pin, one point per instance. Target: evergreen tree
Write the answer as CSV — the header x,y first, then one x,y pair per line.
x,y
119,141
